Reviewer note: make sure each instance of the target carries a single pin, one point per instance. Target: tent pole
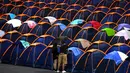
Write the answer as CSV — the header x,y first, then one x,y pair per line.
x,y
17,54
114,68
0,51
92,62
33,57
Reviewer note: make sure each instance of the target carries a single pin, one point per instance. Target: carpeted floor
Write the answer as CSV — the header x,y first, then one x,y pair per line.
x,y
6,68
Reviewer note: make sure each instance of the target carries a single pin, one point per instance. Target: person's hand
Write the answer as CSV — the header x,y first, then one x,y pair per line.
x,y
50,46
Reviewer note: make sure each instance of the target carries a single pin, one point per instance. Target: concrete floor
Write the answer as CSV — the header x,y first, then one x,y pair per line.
x,y
7,68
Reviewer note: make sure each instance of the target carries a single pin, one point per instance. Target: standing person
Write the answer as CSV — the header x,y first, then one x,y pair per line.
x,y
62,58
55,55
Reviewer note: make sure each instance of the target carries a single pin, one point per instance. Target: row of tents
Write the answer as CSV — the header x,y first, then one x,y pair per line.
x,y
101,14
109,3
120,35
105,6
97,56
71,15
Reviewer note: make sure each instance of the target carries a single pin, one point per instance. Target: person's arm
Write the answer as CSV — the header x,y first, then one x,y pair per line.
x,y
66,46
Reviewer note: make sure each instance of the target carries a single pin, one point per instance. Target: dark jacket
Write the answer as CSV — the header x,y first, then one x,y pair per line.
x,y
63,49
55,51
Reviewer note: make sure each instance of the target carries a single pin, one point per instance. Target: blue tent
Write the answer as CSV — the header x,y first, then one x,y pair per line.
x,y
81,2
93,2
107,66
18,9
124,19
127,7
127,11
74,6
69,14
12,54
71,31
73,56
86,33
35,18
118,10
46,39
102,8
50,4
18,46
2,22
7,27
45,59
117,66
12,35
28,3
111,17
56,12
88,61
6,8
45,20
46,1
29,37
63,21
43,12
40,4
108,25
6,2
58,1
102,35
56,29
96,16
30,54
24,28
4,46
22,17
62,5
101,45
118,39
16,2
8,16
70,1
31,10
89,7
117,56
123,67
82,14
41,28
119,47
120,3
